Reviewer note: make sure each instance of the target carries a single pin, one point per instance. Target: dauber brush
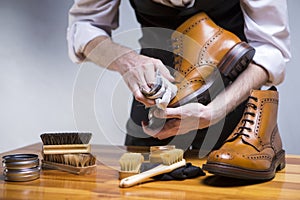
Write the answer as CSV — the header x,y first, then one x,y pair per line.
x,y
130,164
172,159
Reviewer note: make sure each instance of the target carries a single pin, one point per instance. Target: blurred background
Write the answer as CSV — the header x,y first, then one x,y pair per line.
x,y
41,90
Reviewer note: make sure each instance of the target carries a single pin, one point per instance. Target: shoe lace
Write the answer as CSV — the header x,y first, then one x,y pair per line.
x,y
245,120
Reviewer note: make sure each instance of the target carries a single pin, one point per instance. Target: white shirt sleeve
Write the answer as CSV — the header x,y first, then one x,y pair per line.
x,y
267,30
89,19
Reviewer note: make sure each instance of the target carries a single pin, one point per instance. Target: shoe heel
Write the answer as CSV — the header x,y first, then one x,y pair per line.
x,y
281,166
281,162
236,60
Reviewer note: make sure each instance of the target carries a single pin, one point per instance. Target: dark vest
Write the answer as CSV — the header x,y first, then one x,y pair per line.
x,y
155,42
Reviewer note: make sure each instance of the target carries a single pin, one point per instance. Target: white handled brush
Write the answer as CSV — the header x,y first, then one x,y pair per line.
x,y
130,164
171,159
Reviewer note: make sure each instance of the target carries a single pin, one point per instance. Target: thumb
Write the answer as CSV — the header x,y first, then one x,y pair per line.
x,y
168,113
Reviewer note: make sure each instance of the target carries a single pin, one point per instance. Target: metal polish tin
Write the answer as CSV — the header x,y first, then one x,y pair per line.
x,y
21,167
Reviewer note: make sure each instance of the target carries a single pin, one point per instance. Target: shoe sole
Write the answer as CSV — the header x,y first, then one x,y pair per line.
x,y
227,170
233,63
236,60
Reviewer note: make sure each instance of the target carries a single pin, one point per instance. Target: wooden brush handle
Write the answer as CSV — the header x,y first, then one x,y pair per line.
x,y
67,148
139,178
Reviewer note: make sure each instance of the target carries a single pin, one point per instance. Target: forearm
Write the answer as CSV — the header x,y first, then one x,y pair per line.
x,y
105,53
254,77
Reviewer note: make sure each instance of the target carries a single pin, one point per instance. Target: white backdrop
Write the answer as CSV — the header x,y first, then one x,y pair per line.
x,y
41,90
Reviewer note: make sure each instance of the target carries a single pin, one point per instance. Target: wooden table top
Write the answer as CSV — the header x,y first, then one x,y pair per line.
x,y
104,183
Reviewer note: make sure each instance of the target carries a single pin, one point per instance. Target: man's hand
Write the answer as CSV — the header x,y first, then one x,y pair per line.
x,y
183,119
138,71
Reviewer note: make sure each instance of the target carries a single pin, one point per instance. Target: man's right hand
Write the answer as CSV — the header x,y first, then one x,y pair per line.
x,y
138,71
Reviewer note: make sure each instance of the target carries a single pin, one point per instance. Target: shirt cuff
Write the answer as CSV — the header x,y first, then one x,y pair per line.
x,y
79,35
271,59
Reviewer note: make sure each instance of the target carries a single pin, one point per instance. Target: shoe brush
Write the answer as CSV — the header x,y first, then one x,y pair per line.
x,y
171,160
134,163
130,164
68,152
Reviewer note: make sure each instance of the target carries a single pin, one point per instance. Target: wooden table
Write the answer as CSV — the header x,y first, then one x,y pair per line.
x,y
103,184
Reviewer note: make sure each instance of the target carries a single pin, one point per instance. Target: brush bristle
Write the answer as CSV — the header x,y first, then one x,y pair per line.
x,y
131,162
76,160
65,138
171,156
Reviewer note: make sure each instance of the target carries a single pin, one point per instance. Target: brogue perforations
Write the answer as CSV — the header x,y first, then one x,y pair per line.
x,y
189,82
203,52
178,47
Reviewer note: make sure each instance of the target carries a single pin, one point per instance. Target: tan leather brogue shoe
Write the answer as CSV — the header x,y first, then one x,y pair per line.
x,y
203,52
254,149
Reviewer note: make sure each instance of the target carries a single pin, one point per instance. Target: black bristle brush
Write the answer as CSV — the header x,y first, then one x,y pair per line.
x,y
68,152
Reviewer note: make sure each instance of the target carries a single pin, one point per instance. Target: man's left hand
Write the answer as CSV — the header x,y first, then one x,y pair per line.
x,y
183,119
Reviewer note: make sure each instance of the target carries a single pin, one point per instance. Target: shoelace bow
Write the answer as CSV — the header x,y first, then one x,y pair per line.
x,y
247,121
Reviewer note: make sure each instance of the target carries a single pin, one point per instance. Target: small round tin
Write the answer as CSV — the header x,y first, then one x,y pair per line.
x,y
22,174
21,167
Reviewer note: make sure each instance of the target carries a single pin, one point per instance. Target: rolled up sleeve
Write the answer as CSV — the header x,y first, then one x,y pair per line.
x,y
267,30
89,19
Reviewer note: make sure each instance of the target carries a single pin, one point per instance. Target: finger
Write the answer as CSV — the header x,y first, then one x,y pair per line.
x,y
168,113
155,83
143,84
133,81
163,102
170,129
186,2
135,89
163,133
177,3
149,131
141,98
164,70
150,74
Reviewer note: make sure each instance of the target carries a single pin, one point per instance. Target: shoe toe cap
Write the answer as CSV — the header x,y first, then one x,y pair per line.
x,y
243,160
220,155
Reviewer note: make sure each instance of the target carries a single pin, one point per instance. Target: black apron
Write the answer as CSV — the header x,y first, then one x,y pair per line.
x,y
157,22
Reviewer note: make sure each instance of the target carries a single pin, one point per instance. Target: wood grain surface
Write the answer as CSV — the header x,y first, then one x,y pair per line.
x,y
104,183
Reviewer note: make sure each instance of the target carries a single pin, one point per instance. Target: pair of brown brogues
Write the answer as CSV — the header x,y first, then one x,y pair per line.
x,y
208,58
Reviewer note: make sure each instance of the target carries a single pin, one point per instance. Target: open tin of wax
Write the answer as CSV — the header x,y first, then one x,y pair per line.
x,y
21,167
155,152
